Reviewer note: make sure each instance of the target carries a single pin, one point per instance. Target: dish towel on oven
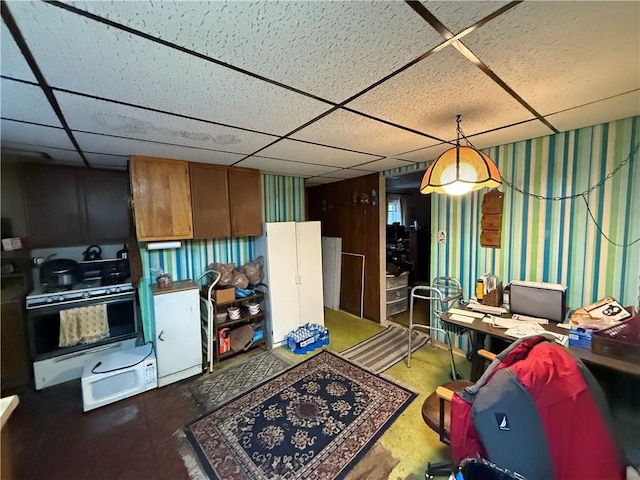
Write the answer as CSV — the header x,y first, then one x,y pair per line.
x,y
83,325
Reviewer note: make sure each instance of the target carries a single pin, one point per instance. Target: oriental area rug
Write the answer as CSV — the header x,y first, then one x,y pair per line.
x,y
315,420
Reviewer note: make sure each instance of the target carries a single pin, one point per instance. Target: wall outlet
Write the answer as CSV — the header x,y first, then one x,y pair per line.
x,y
442,236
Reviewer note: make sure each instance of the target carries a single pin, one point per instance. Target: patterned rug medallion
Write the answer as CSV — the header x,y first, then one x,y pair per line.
x,y
315,420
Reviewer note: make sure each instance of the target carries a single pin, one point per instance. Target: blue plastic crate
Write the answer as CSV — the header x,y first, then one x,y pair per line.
x,y
306,338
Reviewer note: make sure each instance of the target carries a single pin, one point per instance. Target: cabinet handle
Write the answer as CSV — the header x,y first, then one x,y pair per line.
x,y
160,336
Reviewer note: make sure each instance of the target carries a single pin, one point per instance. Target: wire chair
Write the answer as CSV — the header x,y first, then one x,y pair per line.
x,y
444,293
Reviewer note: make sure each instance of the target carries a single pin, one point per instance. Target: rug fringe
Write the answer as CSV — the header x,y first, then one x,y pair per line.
x,y
189,458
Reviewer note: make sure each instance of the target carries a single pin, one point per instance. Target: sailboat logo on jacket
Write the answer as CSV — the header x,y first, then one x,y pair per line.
x,y
502,421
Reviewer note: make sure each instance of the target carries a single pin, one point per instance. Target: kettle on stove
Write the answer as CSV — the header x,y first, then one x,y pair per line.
x,y
94,252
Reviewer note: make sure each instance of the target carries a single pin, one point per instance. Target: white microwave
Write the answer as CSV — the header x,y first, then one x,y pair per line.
x,y
118,375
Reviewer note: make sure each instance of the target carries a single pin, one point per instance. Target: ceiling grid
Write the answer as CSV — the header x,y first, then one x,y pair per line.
x,y
323,90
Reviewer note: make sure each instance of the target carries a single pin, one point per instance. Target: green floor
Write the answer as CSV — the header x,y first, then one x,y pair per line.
x,y
409,440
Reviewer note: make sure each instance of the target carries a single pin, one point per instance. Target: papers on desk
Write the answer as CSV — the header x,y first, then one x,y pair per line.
x,y
527,329
524,329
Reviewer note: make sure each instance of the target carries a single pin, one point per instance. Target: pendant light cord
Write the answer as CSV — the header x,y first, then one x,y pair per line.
x,y
585,195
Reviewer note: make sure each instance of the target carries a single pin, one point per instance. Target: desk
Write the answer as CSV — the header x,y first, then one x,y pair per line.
x,y
583,354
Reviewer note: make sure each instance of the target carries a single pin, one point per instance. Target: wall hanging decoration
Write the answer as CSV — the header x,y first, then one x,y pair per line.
x,y
491,222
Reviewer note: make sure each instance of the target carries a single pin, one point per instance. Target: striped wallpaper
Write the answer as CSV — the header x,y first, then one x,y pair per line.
x,y
283,200
553,241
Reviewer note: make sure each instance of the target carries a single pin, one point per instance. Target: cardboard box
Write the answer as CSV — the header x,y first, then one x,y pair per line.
x,y
224,295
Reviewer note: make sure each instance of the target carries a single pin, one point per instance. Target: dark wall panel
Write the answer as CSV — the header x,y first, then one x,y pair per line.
x,y
349,209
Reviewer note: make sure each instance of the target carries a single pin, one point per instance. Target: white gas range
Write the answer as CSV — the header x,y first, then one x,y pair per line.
x,y
90,289
60,353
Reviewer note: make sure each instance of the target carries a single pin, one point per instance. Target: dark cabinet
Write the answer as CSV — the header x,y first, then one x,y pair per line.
x,y
68,206
107,200
225,201
53,200
15,364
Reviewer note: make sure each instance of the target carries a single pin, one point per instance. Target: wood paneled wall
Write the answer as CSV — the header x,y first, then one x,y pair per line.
x,y
350,209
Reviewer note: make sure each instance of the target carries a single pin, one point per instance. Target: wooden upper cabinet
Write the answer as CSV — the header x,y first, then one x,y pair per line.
x,y
209,201
54,199
245,200
107,200
68,206
226,201
162,198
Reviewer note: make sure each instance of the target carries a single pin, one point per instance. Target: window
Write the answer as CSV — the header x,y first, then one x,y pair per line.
x,y
394,209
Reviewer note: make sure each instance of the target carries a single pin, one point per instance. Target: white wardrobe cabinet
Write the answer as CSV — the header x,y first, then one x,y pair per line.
x,y
292,255
177,337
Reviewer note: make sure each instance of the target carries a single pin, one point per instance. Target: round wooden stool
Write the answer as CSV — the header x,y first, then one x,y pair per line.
x,y
431,408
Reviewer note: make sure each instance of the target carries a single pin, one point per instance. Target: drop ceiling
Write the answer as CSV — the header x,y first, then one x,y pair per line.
x,y
322,90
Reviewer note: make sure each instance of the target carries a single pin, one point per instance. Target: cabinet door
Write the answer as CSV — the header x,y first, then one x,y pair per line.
x,y
15,346
107,198
282,279
177,317
209,201
54,214
309,264
245,200
162,198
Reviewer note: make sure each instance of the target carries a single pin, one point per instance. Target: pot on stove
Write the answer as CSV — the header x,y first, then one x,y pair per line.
x,y
60,273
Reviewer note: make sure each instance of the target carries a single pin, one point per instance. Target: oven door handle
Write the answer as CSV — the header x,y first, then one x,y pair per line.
x,y
84,352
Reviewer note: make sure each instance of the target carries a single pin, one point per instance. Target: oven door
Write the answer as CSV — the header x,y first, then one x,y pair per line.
x,y
44,325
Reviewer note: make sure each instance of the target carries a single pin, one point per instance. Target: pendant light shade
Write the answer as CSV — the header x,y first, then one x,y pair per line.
x,y
459,170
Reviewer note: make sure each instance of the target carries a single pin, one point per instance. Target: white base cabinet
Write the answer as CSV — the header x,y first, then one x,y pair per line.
x,y
177,324
292,253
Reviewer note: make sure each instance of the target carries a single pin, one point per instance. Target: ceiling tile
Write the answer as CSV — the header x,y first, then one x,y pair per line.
x,y
46,155
331,49
355,132
114,162
12,63
310,182
428,96
382,164
310,153
97,116
35,135
118,65
533,129
426,154
348,173
28,103
557,58
616,108
102,144
284,167
458,15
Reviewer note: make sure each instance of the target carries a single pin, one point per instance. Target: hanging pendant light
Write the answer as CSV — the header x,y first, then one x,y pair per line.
x,y
460,170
